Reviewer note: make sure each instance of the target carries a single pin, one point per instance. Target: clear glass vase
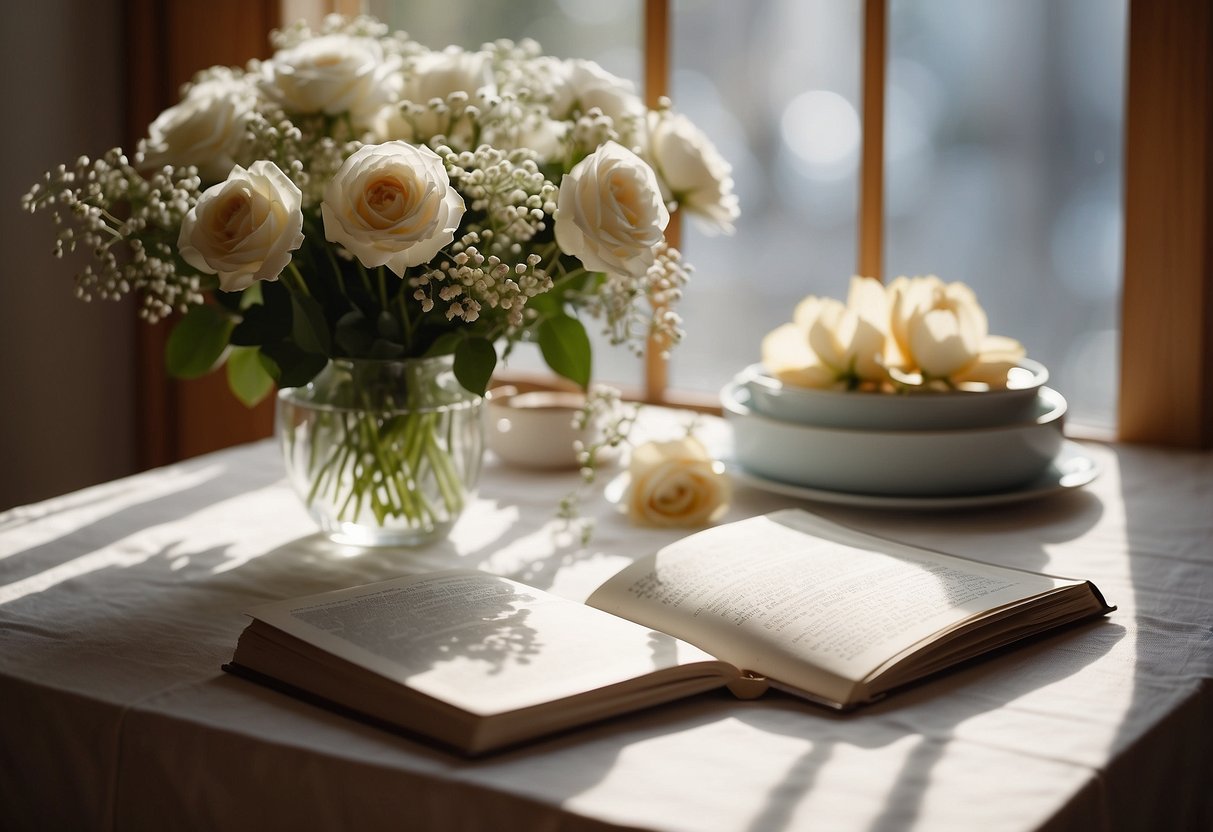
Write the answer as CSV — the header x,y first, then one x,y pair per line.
x,y
383,452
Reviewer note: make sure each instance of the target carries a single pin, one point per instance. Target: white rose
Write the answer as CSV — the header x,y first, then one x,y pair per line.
x,y
332,74
439,74
390,124
205,129
244,228
942,332
610,213
676,484
533,131
691,170
392,205
581,85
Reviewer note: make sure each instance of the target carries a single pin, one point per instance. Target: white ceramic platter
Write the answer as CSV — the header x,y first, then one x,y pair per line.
x,y
1070,470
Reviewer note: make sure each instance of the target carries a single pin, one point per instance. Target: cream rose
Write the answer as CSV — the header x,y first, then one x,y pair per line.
x,y
942,332
332,74
676,484
392,205
244,228
610,213
691,170
205,129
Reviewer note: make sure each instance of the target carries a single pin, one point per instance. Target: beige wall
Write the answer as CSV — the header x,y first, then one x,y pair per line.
x,y
66,387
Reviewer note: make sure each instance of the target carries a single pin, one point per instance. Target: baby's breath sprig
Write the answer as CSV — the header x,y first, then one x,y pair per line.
x,y
309,149
620,303
611,421
135,253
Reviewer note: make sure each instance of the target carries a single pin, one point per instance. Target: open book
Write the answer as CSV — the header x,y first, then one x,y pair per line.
x,y
787,600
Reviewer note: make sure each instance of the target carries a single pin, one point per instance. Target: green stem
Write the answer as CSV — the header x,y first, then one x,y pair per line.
x,y
405,321
332,255
366,280
302,284
567,278
383,304
386,461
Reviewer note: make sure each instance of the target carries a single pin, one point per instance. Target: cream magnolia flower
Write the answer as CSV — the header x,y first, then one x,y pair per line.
x,y
245,228
610,213
691,170
787,356
831,344
941,331
676,483
332,74
392,205
846,341
205,129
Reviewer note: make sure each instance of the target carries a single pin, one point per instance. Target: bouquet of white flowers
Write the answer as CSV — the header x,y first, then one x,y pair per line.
x,y
359,195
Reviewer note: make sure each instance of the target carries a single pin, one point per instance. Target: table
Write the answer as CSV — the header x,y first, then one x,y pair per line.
x,y
119,603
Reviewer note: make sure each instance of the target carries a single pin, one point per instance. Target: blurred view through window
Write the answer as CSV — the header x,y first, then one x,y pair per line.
x,y
1003,160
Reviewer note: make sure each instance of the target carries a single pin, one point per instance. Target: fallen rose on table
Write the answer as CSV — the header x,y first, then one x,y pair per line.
x,y
676,483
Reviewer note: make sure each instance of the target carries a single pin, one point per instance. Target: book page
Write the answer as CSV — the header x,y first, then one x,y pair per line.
x,y
479,642
799,599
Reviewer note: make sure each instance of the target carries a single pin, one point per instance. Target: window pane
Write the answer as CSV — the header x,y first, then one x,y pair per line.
x,y
1003,170
606,32
776,86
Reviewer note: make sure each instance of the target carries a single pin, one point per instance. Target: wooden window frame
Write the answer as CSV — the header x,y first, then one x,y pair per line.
x,y
1166,378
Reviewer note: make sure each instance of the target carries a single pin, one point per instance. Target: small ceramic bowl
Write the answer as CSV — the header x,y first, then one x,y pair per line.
x,y
534,429
890,462
925,410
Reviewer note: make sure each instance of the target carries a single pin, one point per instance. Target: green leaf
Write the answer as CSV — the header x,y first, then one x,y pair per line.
x,y
354,333
289,365
262,324
247,377
197,342
252,295
445,344
228,300
545,305
475,360
309,329
566,348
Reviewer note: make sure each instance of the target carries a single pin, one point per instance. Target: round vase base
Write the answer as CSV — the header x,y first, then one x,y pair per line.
x,y
356,534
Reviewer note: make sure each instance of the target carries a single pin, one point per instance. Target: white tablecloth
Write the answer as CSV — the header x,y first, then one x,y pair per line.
x,y
119,603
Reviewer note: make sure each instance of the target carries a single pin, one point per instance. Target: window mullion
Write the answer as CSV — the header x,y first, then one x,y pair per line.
x,y
871,170
656,85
